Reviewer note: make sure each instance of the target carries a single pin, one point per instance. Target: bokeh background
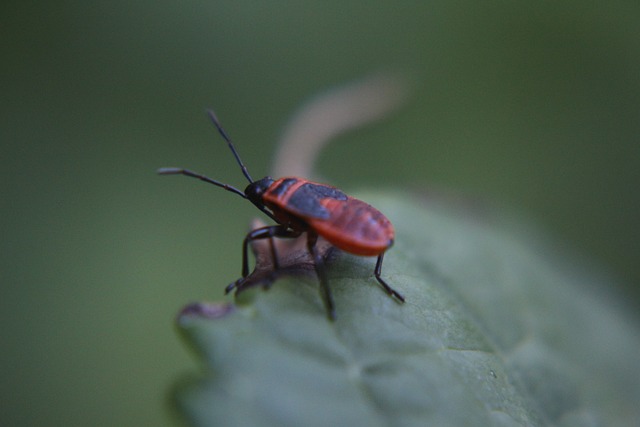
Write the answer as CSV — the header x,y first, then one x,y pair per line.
x,y
532,104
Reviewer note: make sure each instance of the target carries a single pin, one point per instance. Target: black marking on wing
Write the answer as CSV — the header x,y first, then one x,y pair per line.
x,y
306,200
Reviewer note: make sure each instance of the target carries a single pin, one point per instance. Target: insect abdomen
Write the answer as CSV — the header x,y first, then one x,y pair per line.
x,y
355,227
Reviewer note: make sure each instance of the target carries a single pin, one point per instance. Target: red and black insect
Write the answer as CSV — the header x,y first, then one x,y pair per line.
x,y
300,206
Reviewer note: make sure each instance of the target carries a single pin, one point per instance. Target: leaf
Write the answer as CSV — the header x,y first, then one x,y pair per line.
x,y
499,329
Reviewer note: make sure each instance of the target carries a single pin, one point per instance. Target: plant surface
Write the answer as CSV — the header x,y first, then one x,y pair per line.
x,y
498,329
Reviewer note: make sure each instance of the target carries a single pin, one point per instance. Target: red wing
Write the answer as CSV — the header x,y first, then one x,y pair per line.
x,y
355,227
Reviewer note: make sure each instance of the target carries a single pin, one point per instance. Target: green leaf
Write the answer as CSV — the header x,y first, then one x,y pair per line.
x,y
498,329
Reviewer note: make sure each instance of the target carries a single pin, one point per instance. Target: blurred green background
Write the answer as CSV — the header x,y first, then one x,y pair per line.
x,y
533,104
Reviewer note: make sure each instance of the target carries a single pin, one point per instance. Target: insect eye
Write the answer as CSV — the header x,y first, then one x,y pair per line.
x,y
256,189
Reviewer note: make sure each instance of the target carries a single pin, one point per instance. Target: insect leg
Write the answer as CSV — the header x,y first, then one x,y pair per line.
x,y
388,289
268,232
325,291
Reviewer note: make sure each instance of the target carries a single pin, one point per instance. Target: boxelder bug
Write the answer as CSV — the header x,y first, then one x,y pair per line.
x,y
300,206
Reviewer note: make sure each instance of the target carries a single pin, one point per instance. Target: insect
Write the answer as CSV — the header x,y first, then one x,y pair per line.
x,y
300,206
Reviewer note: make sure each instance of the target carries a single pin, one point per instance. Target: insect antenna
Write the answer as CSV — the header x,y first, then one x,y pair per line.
x,y
180,171
216,122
